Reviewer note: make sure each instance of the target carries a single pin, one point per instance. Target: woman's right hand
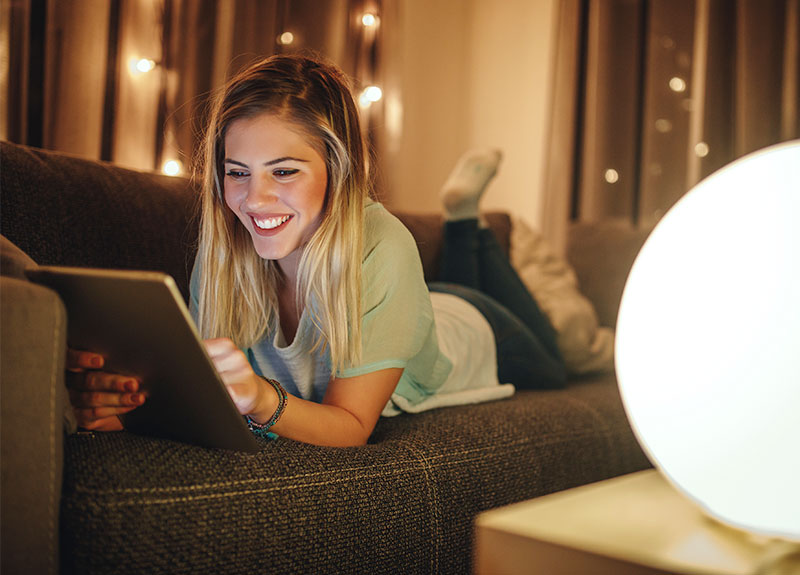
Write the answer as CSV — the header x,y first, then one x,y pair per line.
x,y
98,398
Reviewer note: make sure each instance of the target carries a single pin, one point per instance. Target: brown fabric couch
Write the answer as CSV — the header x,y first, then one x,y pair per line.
x,y
121,503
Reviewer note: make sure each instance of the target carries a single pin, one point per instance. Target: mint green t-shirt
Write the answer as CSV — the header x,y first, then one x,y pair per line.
x,y
397,325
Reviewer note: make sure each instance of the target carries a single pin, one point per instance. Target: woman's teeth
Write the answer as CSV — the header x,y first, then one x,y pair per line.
x,y
270,223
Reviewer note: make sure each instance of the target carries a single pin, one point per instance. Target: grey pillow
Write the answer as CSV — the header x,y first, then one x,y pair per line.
x,y
13,261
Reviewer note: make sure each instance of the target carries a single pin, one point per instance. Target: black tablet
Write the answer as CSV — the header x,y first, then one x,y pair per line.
x,y
139,322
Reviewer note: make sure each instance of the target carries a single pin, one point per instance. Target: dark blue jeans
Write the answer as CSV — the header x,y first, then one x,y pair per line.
x,y
475,268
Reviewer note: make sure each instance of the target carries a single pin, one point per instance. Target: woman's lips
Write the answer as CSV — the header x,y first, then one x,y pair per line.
x,y
269,225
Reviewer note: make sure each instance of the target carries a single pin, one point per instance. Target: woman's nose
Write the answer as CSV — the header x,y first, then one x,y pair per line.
x,y
261,192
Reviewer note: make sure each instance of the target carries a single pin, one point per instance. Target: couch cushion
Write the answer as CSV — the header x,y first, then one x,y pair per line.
x,y
68,211
404,503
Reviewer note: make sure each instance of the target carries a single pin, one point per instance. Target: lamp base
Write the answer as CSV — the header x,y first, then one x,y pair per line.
x,y
634,524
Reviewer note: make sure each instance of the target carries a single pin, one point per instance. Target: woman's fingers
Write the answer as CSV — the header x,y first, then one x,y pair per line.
x,y
95,399
77,360
98,397
236,372
89,414
226,356
102,381
219,348
232,363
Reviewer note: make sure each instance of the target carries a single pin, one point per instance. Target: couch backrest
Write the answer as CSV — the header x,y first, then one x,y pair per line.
x,y
602,253
427,231
63,210
69,211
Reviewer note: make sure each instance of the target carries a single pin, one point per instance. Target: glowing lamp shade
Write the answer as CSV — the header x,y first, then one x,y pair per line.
x,y
708,344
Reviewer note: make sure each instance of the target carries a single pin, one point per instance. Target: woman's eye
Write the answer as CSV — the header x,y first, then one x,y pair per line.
x,y
284,173
236,174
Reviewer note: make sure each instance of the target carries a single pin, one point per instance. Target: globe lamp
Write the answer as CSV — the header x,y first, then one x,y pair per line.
x,y
708,344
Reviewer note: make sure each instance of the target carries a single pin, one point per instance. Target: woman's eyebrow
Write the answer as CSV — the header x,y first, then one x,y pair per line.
x,y
270,163
283,159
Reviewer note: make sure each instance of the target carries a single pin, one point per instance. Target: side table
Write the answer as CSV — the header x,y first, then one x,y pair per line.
x,y
633,524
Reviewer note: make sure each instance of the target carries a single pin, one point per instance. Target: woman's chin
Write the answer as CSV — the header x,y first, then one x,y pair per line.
x,y
272,252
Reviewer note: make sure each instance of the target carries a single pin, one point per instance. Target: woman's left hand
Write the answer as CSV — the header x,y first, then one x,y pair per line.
x,y
244,386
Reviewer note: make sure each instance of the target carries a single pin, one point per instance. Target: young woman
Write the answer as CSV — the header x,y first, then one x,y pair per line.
x,y
311,295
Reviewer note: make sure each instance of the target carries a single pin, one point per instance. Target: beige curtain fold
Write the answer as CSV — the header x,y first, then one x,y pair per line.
x,y
559,175
68,67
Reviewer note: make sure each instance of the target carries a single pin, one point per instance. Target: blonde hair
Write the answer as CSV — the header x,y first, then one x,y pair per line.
x,y
238,289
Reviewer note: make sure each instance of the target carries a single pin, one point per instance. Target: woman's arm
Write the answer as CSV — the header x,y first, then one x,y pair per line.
x,y
346,417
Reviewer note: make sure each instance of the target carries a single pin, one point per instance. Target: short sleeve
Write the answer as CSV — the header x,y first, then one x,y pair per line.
x,y
397,317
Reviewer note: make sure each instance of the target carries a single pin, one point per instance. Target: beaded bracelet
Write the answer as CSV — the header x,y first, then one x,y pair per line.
x,y
262,429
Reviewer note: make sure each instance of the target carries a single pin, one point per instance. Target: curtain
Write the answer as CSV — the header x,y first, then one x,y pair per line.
x,y
651,96
70,83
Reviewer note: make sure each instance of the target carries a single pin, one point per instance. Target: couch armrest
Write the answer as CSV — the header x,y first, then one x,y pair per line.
x,y
32,400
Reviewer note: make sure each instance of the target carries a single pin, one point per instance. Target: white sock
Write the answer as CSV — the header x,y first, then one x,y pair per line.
x,y
464,187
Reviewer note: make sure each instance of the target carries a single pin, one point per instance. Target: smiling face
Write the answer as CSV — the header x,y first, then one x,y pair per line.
x,y
275,183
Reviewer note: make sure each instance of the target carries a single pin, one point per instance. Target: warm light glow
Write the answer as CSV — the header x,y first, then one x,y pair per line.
x,y
707,343
677,84
370,95
663,126
369,20
141,65
701,149
286,38
172,167
611,176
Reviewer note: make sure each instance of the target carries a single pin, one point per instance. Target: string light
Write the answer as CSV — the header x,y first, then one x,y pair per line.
x,y
172,167
286,38
677,84
663,125
370,95
141,65
367,69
